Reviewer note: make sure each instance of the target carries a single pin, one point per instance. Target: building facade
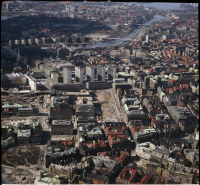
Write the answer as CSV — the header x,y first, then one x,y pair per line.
x,y
78,74
89,73
67,75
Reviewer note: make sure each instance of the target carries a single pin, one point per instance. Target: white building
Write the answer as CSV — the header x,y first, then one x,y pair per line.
x,y
78,74
18,122
147,38
143,150
35,85
17,42
89,73
31,82
17,78
100,73
114,72
67,75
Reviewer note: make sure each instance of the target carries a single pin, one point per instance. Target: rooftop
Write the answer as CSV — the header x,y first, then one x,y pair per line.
x,y
13,105
49,178
127,174
15,75
24,133
61,122
58,167
158,150
125,74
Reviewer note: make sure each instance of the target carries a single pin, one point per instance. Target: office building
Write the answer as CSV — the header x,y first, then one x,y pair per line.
x,y
24,136
111,72
79,74
61,127
89,73
69,171
147,38
60,108
152,25
100,73
146,80
67,75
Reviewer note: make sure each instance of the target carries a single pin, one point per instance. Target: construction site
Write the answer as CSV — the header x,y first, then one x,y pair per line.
x,y
106,103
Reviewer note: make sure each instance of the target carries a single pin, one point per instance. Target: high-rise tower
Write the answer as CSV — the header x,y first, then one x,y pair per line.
x,y
67,75
111,72
78,74
100,73
89,73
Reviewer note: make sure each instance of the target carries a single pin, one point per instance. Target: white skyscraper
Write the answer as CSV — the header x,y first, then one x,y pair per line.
x,y
111,72
147,38
78,74
67,75
89,73
101,73
114,72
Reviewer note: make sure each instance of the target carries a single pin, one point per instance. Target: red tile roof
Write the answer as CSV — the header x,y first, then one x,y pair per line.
x,y
114,139
6,110
95,145
121,158
66,142
184,85
109,132
135,129
124,173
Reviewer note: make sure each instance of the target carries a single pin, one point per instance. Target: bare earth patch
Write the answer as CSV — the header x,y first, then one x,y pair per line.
x,y
106,102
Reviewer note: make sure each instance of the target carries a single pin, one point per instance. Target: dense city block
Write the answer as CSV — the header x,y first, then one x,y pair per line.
x,y
99,93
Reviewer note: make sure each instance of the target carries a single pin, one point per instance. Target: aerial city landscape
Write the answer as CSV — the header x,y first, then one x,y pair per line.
x,y
99,92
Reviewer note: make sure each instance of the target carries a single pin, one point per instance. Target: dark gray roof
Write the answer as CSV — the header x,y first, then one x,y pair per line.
x,y
154,160
158,150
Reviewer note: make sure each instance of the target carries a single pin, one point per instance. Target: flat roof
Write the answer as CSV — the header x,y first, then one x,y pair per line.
x,y
61,137
11,106
57,74
15,75
124,74
54,99
24,133
58,167
25,109
61,122
48,67
158,150
35,70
